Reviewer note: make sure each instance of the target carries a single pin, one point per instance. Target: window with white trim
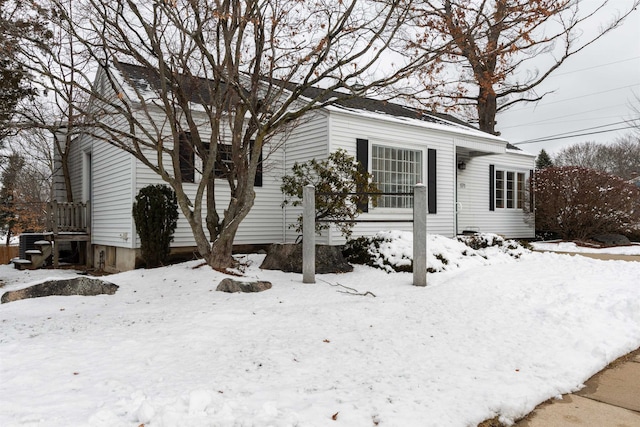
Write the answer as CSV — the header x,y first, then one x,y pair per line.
x,y
396,170
509,189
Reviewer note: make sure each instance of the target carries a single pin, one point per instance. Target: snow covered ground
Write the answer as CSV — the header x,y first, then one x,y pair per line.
x,y
489,336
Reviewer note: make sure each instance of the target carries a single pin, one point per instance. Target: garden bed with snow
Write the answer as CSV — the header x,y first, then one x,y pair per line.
x,y
491,335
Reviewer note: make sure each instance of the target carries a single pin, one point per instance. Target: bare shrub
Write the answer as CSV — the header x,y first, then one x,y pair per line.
x,y
577,203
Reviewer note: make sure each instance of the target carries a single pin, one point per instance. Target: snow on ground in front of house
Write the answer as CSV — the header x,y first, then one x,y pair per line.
x,y
560,246
483,339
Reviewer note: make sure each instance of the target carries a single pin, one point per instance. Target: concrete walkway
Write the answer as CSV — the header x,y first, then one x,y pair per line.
x,y
611,398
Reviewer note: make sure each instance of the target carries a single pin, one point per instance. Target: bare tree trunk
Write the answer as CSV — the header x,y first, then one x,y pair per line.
x,y
222,247
487,107
213,219
220,257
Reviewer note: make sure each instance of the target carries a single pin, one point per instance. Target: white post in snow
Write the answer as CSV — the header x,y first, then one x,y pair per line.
x,y
420,235
309,234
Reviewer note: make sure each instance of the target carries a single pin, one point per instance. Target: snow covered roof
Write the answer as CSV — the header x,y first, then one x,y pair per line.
x,y
145,81
200,91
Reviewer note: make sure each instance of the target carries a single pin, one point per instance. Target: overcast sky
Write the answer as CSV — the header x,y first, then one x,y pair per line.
x,y
593,92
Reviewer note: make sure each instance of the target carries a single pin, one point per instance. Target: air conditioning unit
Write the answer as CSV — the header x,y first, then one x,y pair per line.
x,y
27,242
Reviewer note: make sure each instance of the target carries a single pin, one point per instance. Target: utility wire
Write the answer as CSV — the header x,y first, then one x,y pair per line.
x,y
562,136
553,119
595,66
575,97
591,128
582,130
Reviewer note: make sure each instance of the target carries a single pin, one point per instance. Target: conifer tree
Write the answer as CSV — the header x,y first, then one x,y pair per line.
x,y
543,160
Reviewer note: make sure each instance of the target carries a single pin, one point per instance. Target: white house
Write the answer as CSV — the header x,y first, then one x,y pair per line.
x,y
475,181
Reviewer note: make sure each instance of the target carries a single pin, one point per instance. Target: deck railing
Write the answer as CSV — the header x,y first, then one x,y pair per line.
x,y
70,217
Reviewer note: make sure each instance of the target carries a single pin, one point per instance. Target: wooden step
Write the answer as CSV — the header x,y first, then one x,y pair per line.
x,y
22,264
38,257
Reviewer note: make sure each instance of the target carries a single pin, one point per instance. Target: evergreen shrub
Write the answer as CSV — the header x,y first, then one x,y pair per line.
x,y
155,212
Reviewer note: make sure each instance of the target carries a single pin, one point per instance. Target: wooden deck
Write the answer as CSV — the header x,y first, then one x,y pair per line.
x,y
70,222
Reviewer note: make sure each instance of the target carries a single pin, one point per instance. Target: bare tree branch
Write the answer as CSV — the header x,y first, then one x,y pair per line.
x,y
490,43
208,74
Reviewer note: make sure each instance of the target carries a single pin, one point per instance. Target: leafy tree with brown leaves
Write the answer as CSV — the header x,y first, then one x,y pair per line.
x,y
481,49
23,199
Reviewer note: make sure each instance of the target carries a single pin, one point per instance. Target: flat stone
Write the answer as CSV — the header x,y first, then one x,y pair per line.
x,y
75,286
288,257
619,386
612,239
232,286
577,411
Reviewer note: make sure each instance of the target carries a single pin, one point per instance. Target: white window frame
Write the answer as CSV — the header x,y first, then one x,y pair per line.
x,y
509,190
399,203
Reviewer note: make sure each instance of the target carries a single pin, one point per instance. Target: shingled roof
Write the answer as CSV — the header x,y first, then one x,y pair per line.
x,y
145,79
198,89
384,107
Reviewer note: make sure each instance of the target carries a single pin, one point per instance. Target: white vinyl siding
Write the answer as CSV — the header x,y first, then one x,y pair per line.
x,y
103,173
346,128
112,223
474,212
262,225
309,140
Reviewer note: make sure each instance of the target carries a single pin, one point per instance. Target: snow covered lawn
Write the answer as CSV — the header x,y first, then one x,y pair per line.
x,y
488,338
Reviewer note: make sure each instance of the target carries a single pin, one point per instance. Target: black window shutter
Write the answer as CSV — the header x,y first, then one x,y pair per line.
x,y
492,188
362,156
186,157
432,180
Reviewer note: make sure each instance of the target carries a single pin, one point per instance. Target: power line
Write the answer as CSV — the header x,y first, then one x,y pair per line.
x,y
562,136
576,97
595,66
562,117
591,128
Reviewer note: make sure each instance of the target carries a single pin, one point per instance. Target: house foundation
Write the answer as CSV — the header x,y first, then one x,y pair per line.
x,y
112,259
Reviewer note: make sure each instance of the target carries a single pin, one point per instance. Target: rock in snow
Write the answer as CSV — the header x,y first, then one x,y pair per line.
x,y
231,286
76,286
288,257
